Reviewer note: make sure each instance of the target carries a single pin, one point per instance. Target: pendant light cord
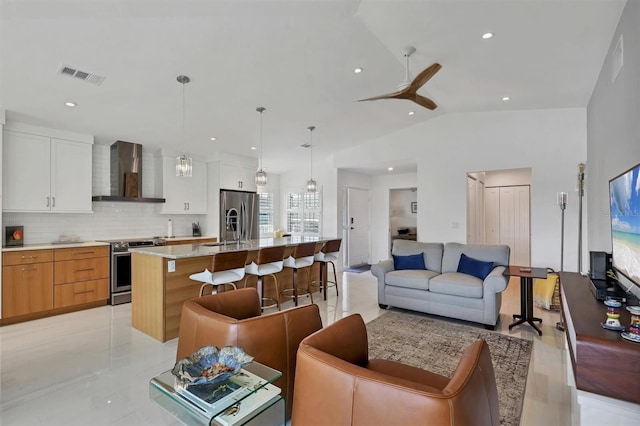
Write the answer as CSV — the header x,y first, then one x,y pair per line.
x,y
184,137
311,129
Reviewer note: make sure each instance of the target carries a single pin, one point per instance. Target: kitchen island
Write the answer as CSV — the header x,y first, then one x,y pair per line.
x,y
160,279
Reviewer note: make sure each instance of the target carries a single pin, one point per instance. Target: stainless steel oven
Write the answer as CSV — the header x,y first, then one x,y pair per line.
x,y
120,291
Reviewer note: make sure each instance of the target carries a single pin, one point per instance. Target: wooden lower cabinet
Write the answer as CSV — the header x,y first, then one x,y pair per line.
x,y
40,283
80,293
27,289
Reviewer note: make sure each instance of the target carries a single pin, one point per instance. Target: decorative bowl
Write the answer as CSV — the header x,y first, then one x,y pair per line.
x,y
210,365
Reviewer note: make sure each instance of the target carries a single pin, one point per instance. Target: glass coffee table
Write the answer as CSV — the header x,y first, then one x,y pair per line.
x,y
256,401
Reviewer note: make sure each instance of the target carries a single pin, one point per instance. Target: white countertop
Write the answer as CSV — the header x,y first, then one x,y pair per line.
x,y
49,246
197,250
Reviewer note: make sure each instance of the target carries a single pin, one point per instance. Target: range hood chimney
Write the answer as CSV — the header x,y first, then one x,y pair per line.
x,y
126,174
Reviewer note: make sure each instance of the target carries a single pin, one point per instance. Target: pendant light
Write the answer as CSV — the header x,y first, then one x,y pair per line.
x,y
261,175
184,164
311,184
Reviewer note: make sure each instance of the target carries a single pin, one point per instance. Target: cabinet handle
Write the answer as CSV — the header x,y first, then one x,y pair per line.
x,y
33,256
29,269
47,201
184,207
188,206
53,203
84,270
82,292
83,252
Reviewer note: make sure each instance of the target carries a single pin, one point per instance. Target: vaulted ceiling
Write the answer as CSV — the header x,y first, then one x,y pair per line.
x,y
296,58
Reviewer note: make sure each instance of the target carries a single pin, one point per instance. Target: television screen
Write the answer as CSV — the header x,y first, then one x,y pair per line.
x,y
624,191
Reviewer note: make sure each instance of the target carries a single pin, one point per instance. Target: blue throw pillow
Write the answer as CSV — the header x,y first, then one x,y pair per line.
x,y
471,266
412,261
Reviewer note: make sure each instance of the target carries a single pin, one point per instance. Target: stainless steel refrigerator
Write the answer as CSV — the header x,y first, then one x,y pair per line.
x,y
238,215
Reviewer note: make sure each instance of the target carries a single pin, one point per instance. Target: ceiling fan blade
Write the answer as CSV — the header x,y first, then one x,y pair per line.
x,y
387,96
425,102
423,77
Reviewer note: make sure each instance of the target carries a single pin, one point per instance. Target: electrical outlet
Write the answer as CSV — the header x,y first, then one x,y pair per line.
x,y
171,266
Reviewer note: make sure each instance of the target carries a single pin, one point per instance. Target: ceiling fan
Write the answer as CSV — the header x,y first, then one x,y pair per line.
x,y
408,88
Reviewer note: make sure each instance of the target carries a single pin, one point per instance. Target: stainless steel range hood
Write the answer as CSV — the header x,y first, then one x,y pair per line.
x,y
126,175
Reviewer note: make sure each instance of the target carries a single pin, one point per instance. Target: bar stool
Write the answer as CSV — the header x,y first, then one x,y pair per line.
x,y
227,268
268,262
301,258
330,252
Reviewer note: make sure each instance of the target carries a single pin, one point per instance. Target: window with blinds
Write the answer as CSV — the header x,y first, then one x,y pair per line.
x,y
266,214
304,213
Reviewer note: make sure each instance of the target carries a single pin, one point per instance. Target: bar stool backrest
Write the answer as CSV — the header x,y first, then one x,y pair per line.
x,y
304,250
229,260
270,254
331,246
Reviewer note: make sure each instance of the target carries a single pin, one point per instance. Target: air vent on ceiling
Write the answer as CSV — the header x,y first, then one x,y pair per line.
x,y
81,75
305,145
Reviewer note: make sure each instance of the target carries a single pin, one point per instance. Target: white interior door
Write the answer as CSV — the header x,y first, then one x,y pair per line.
x,y
507,214
357,227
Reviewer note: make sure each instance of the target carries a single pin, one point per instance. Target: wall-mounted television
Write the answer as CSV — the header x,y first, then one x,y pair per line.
x,y
624,195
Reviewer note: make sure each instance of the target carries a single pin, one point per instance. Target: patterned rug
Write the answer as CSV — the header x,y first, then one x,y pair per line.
x,y
437,346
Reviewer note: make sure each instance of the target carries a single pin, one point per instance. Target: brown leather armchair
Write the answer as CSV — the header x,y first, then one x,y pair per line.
x,y
336,384
233,318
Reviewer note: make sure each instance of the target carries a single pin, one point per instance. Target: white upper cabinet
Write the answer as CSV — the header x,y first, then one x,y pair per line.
x,y
237,177
183,195
45,174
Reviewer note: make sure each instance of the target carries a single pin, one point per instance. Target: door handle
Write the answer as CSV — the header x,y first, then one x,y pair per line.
x,y
53,204
48,200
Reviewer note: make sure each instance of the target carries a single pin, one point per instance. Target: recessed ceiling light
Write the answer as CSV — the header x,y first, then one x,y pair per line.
x,y
70,104
253,148
390,169
411,112
487,36
213,138
506,98
357,70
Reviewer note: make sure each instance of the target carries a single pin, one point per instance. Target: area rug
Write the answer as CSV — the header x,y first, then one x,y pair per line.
x,y
438,345
358,269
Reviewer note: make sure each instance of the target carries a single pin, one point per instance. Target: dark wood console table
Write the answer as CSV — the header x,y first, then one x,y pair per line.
x,y
602,361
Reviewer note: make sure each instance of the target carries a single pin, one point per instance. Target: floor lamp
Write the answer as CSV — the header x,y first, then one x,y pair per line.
x,y
581,167
562,199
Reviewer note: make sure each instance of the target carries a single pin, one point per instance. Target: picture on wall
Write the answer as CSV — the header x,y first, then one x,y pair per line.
x,y
414,207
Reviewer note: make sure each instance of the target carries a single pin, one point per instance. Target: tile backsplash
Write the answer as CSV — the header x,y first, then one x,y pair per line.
x,y
109,220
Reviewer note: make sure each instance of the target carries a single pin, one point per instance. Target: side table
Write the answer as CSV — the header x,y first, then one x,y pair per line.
x,y
526,275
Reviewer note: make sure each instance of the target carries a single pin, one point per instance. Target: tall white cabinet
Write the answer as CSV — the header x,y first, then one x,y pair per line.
x,y
183,195
45,174
507,220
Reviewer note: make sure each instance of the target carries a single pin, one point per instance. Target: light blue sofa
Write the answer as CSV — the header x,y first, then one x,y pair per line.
x,y
440,289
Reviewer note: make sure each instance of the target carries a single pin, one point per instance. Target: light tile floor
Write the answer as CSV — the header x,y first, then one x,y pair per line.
x,y
91,367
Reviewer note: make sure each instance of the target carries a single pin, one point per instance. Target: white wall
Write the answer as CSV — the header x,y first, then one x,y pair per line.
x,y
613,123
550,142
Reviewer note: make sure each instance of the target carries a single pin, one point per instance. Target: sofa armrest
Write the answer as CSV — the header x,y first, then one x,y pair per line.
x,y
495,282
380,270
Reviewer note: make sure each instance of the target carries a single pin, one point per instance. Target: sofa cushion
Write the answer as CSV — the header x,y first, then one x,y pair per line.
x,y
411,261
432,252
475,267
410,278
498,254
457,284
